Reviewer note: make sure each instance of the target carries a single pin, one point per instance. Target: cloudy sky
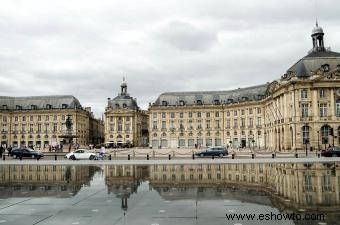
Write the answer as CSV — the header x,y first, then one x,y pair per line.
x,y
85,47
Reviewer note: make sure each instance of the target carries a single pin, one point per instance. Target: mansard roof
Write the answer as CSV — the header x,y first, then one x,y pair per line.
x,y
315,60
253,93
123,101
40,102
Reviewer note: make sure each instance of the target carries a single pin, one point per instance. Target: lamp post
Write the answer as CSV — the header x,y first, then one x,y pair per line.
x,y
318,141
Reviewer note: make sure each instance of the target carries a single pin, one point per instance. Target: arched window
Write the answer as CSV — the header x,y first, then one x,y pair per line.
x,y
305,134
325,133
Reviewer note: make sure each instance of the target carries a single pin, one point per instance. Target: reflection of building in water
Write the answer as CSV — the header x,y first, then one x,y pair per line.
x,y
123,180
43,180
304,184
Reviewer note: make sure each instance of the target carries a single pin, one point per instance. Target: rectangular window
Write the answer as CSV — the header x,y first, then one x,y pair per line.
x,y
228,113
322,93
120,126
208,114
304,109
251,122
172,115
337,108
163,115
250,111
208,124
190,114
308,183
112,127
242,112
39,118
217,114
154,125
258,110
243,122
181,115
111,118
235,123
199,115
55,127
304,94
154,115
217,124
235,112
258,121
323,109
172,124
39,127
163,124
228,123
55,118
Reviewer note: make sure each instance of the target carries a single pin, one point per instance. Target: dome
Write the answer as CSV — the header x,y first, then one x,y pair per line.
x,y
317,30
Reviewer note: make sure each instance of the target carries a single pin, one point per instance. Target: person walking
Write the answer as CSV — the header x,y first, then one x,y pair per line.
x,y
2,150
9,150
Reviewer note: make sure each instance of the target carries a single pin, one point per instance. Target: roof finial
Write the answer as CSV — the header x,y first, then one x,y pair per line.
x,y
123,78
316,22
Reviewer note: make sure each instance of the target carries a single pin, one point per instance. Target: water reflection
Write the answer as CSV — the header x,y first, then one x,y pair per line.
x,y
43,180
287,187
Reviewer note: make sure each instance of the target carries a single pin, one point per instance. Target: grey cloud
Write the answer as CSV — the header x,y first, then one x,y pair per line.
x,y
186,36
84,48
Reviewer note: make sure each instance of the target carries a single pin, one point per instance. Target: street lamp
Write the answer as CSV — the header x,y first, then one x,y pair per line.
x,y
318,141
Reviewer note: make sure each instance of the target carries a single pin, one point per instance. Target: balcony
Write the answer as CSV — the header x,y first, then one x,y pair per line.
x,y
258,126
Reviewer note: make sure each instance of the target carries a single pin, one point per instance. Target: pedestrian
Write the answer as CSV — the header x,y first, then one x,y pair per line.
x,y
69,148
9,150
2,150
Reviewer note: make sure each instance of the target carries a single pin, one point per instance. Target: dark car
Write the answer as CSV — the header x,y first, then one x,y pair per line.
x,y
213,151
331,152
26,153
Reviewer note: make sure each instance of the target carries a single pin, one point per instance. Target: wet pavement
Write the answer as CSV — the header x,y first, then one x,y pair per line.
x,y
161,194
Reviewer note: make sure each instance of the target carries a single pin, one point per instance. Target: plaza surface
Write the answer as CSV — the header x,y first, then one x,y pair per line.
x,y
103,198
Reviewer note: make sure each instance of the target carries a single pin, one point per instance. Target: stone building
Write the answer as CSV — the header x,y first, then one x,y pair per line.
x,y
305,184
39,121
125,123
301,110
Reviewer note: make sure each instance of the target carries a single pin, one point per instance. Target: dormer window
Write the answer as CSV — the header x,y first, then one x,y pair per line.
x,y
4,107
259,97
325,67
48,106
216,102
181,103
18,107
117,105
164,103
230,100
199,102
34,107
244,98
124,105
64,106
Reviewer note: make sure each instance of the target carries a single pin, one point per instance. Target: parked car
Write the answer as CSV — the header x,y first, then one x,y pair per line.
x,y
26,153
331,152
213,151
81,154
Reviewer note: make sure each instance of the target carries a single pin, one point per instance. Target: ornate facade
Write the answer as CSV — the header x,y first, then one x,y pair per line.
x,y
301,110
125,123
40,121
